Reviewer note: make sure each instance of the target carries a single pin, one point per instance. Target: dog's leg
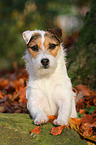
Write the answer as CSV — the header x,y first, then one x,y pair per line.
x,y
36,104
63,100
73,110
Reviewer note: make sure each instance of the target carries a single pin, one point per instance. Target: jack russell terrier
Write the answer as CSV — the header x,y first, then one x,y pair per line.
x,y
49,89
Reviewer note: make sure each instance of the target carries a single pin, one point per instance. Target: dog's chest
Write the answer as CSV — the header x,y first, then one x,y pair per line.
x,y
48,88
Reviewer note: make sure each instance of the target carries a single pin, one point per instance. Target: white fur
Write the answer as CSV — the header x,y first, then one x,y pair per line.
x,y
49,91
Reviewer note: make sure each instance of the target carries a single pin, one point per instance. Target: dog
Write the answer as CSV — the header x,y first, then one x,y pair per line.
x,y
49,89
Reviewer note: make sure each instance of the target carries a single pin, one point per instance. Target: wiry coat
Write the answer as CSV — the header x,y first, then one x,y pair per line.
x,y
49,89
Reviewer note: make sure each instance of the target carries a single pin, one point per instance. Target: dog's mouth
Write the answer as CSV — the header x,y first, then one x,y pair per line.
x,y
45,67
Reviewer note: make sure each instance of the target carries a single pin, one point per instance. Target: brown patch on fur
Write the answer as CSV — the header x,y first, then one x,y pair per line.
x,y
52,37
35,40
33,53
49,39
57,33
34,37
54,52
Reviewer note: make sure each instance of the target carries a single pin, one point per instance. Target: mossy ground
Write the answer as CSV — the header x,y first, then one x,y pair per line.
x,y
15,130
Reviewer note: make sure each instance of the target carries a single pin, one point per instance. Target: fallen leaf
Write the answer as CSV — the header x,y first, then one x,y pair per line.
x,y
37,130
87,119
57,130
94,101
3,82
82,111
84,89
51,118
75,123
86,129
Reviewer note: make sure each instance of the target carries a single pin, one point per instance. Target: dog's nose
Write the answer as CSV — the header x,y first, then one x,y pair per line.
x,y
45,62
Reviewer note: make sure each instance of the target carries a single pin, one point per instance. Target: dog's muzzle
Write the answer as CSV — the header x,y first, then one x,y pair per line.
x,y
45,62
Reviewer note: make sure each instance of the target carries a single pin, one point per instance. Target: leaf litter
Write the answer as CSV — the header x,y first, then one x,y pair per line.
x,y
13,100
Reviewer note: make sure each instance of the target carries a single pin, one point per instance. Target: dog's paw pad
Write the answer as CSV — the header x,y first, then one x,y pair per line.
x,y
40,119
59,122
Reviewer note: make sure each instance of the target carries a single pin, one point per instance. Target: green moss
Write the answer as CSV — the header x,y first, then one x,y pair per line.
x,y
17,129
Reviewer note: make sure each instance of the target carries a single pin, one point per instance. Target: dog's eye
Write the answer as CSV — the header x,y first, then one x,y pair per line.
x,y
52,46
34,48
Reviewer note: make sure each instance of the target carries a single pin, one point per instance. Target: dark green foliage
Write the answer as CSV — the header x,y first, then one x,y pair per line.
x,y
90,110
79,115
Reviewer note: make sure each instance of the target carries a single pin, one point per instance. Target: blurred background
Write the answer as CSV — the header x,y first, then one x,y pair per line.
x,y
17,16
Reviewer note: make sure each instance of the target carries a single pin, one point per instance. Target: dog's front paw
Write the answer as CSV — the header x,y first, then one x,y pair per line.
x,y
41,119
60,122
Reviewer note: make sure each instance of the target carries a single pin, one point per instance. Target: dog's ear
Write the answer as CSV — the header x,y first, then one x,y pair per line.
x,y
57,32
27,36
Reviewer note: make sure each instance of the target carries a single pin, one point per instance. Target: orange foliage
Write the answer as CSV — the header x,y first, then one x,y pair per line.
x,y
57,130
37,130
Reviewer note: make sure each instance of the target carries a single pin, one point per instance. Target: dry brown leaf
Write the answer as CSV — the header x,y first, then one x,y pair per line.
x,y
84,89
84,130
82,111
94,101
75,123
51,118
57,130
18,83
3,82
87,119
22,95
36,130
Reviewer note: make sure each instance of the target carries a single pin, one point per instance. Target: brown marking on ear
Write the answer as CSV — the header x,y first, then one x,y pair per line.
x,y
57,32
49,40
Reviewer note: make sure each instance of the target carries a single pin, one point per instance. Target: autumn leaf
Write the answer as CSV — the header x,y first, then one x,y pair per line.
x,y
51,118
82,111
3,82
22,95
57,130
84,89
87,119
75,123
36,130
84,129
13,100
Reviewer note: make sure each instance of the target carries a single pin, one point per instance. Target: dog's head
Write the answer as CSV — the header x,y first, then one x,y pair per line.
x,y
43,48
